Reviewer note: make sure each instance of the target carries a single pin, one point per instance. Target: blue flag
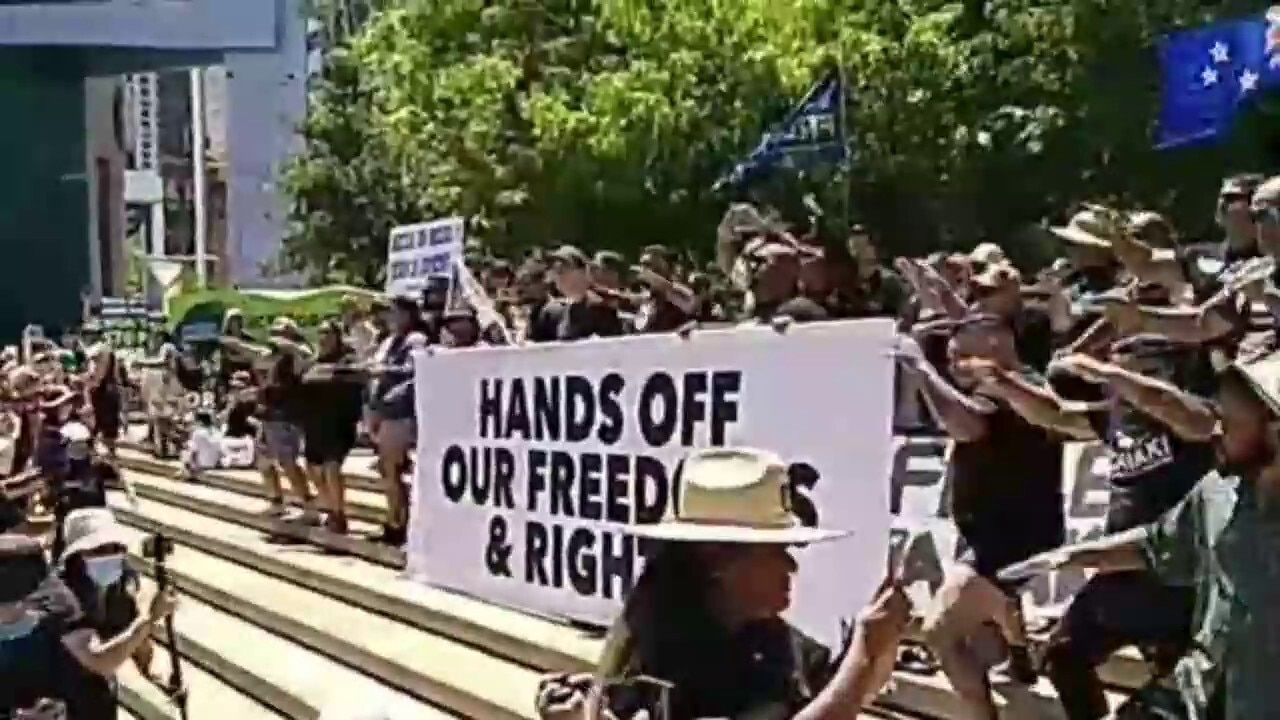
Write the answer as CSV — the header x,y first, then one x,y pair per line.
x,y
1210,73
813,133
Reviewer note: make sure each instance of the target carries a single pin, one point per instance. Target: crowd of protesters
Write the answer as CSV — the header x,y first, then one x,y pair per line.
x,y
1162,351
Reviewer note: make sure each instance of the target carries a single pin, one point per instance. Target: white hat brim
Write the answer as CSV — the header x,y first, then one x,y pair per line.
x,y
1079,237
676,531
114,535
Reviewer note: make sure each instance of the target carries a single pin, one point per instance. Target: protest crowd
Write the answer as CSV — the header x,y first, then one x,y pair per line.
x,y
1161,350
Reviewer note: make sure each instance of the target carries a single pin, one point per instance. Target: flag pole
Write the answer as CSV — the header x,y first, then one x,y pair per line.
x,y
847,164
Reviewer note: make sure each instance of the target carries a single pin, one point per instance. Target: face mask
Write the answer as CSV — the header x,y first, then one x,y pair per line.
x,y
104,571
20,629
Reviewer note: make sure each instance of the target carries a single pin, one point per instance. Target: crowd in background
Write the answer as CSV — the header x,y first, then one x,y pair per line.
x,y
1161,351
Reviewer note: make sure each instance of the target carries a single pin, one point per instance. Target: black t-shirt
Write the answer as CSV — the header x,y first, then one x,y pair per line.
x,y
1083,285
802,310
1033,335
580,319
656,314
1008,483
1151,470
91,696
279,398
238,425
881,294
766,669
541,325
333,404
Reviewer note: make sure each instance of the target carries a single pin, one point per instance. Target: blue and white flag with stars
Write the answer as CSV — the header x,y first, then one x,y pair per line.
x,y
1210,73
813,133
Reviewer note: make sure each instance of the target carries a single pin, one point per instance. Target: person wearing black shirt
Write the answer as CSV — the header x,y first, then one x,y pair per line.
x,y
578,313
49,648
532,297
106,395
772,267
705,616
93,568
331,397
997,290
242,405
1158,442
280,414
1006,495
668,304
1240,242
876,291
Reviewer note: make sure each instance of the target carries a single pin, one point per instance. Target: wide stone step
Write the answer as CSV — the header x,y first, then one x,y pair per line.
x,y
364,505
207,696
244,510
433,669
293,680
358,468
221,524
518,636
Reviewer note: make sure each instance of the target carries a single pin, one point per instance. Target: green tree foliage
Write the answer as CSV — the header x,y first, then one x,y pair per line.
x,y
605,122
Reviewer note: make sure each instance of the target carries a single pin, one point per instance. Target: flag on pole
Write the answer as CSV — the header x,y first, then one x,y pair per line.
x,y
811,134
1210,73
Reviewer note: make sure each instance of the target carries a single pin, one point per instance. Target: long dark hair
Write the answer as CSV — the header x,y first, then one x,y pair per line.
x,y
670,600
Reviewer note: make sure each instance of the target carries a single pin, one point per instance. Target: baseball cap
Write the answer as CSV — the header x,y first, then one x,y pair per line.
x,y
570,254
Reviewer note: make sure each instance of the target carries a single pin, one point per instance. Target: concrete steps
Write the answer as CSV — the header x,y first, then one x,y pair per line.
x,y
426,666
356,613
207,695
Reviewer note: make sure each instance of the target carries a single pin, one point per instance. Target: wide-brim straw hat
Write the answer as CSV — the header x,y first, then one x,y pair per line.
x,y
92,528
1091,227
734,495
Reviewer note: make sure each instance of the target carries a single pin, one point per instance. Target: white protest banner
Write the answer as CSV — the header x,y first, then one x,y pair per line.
x,y
532,460
919,488
416,253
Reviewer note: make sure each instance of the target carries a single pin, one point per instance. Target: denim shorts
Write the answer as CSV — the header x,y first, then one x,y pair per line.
x,y
281,442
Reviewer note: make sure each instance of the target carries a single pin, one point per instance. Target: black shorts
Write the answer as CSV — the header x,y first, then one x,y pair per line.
x,y
324,445
1127,608
991,546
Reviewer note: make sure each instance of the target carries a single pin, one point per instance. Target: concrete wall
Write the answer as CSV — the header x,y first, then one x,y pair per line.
x,y
104,240
159,24
266,102
44,198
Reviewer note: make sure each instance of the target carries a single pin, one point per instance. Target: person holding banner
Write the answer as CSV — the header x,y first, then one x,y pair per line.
x,y
1006,497
701,636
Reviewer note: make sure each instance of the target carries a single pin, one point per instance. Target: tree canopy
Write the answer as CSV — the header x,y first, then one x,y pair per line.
x,y
605,123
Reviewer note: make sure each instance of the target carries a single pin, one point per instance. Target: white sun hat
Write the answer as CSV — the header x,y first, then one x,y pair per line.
x,y
734,495
91,528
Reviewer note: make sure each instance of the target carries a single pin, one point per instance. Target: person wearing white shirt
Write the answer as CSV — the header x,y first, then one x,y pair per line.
x,y
204,448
